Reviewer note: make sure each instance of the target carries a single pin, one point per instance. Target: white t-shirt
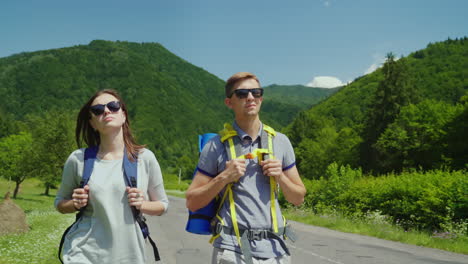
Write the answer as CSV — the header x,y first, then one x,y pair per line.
x,y
107,232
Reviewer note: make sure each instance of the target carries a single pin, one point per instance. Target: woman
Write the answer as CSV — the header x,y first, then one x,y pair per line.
x,y
107,232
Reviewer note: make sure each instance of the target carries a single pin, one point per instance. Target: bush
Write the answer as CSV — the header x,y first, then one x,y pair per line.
x,y
432,200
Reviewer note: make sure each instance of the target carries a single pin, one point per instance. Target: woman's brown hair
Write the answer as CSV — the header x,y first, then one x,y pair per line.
x,y
85,132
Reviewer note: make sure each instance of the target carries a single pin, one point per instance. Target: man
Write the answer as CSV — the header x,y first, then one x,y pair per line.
x,y
250,179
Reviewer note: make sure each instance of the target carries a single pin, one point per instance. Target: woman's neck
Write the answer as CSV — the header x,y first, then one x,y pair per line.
x,y
112,146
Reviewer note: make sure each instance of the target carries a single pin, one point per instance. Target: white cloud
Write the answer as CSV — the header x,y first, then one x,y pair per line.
x,y
372,68
379,60
325,82
326,3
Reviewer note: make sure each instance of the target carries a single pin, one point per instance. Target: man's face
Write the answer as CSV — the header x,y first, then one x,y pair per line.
x,y
248,106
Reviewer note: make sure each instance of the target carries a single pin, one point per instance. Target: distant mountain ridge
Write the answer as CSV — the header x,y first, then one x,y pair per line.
x,y
285,101
170,100
289,100
299,94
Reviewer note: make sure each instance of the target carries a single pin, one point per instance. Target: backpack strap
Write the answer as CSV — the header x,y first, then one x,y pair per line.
x,y
233,147
231,142
89,159
266,143
131,174
130,170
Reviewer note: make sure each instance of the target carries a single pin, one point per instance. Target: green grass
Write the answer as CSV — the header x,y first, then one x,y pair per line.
x,y
377,226
176,193
173,187
40,244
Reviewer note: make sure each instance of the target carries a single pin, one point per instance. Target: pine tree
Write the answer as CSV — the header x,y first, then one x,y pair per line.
x,y
392,94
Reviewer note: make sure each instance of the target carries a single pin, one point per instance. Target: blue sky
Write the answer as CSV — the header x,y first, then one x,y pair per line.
x,y
283,42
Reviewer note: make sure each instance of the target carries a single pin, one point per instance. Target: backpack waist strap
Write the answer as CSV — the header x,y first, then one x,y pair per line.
x,y
257,234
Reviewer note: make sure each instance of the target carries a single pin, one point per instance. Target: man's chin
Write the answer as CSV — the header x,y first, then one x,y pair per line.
x,y
251,113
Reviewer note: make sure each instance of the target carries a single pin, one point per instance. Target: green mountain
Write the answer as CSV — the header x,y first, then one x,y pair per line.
x,y
283,102
299,95
400,116
170,100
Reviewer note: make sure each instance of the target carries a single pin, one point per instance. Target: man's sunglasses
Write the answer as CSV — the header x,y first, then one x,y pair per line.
x,y
99,109
243,93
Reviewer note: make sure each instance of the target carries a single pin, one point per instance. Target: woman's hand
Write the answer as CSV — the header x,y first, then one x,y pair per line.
x,y
135,197
80,197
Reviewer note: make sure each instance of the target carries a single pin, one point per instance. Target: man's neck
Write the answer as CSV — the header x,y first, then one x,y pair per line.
x,y
249,126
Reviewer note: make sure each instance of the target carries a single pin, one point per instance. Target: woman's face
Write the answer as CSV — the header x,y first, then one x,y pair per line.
x,y
107,115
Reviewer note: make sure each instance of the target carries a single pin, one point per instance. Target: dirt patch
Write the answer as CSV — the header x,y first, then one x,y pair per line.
x,y
12,217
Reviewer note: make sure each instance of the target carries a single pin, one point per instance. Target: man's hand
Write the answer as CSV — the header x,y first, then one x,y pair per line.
x,y
272,168
234,170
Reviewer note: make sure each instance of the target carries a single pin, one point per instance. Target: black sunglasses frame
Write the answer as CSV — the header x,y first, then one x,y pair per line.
x,y
243,93
97,110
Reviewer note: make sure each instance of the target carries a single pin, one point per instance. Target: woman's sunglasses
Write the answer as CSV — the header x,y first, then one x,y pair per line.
x,y
99,109
243,93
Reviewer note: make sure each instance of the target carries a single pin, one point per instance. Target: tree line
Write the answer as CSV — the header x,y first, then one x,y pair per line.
x,y
393,143
394,119
36,148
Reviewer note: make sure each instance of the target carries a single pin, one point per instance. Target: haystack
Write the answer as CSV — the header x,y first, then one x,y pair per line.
x,y
12,217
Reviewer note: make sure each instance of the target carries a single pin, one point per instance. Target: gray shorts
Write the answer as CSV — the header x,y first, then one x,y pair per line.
x,y
224,256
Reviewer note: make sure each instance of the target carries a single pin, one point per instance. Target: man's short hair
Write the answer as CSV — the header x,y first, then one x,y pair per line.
x,y
240,76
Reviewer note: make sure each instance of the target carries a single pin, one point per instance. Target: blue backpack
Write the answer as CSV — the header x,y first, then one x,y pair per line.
x,y
131,175
199,222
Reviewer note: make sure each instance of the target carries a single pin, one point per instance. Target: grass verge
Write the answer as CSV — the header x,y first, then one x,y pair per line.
x,y
378,227
173,186
40,244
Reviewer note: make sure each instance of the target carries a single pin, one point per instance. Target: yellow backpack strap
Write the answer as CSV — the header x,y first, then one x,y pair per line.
x,y
212,239
266,141
273,184
227,132
232,208
269,130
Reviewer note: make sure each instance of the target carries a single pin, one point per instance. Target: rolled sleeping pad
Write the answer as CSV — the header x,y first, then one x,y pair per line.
x,y
203,139
199,221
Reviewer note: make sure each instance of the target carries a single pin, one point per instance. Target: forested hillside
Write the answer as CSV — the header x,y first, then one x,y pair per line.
x,y
298,95
171,101
411,113
283,102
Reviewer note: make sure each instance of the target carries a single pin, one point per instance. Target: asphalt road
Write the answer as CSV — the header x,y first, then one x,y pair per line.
x,y
315,245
